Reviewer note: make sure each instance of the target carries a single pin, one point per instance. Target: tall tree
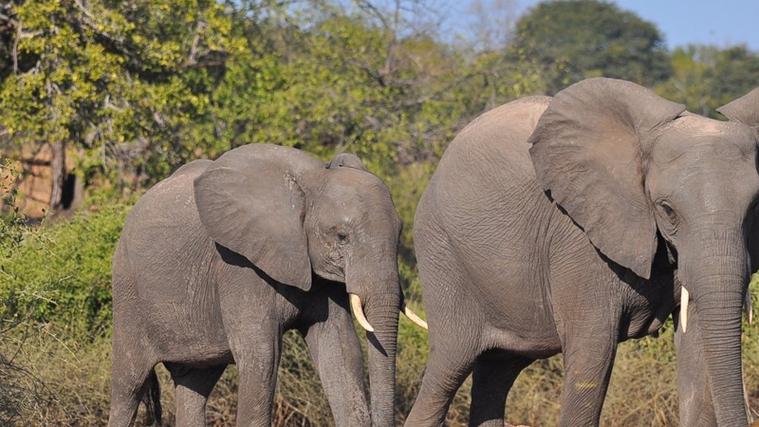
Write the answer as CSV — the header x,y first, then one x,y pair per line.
x,y
573,40
493,23
135,88
707,77
109,79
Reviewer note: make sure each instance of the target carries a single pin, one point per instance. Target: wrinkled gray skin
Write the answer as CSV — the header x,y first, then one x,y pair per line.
x,y
567,225
217,261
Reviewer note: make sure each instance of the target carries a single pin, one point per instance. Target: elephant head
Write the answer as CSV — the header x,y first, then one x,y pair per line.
x,y
631,168
291,216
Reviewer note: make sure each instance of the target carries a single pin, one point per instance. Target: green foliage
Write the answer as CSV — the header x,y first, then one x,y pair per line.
x,y
61,273
139,88
11,223
114,77
577,39
706,77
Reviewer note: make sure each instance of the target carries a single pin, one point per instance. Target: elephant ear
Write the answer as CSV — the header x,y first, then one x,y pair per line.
x,y
346,160
744,109
588,150
249,201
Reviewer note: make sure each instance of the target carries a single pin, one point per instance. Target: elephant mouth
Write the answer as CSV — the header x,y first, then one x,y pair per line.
x,y
684,299
413,317
358,312
748,308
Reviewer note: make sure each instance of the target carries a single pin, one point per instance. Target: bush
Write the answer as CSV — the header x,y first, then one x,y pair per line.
x,y
61,272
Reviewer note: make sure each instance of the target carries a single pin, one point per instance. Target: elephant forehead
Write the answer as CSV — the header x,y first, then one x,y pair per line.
x,y
357,196
356,185
699,138
696,125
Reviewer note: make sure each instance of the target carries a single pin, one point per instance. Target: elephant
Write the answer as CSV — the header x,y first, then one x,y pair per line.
x,y
572,223
221,258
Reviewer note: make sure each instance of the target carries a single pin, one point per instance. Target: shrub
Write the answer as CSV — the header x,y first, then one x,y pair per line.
x,y
61,272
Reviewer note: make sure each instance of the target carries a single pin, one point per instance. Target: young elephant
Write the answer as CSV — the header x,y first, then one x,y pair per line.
x,y
217,261
573,223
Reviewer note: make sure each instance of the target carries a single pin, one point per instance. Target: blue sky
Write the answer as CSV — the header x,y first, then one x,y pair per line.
x,y
721,23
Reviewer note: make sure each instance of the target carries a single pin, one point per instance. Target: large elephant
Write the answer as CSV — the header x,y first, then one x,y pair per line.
x,y
573,223
217,261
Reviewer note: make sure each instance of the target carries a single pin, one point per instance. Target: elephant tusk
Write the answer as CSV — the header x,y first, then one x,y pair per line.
x,y
684,297
414,317
358,312
747,306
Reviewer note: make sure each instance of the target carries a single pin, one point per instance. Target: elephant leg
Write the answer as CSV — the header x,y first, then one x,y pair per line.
x,y
455,333
130,374
447,368
588,361
336,353
494,374
193,386
696,408
442,378
257,356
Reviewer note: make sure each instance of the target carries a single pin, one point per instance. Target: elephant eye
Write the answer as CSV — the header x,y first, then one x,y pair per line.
x,y
668,211
342,237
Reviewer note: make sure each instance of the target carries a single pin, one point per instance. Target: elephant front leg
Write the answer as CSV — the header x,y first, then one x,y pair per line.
x,y
192,388
255,340
336,353
696,408
257,360
588,360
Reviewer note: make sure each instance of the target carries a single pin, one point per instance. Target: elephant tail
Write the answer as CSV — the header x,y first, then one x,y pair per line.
x,y
152,400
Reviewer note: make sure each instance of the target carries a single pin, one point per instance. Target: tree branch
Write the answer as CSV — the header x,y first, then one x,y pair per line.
x,y
191,60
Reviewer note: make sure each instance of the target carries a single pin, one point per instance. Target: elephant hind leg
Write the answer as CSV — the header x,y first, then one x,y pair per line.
x,y
455,335
151,397
494,374
132,378
193,386
446,370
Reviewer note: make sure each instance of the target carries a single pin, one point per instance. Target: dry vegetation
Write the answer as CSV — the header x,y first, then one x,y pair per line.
x,y
64,381
55,347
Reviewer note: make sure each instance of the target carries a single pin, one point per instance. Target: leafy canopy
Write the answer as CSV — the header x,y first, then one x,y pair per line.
x,y
577,39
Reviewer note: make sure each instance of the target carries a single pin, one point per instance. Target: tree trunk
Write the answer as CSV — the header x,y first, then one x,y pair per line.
x,y
58,172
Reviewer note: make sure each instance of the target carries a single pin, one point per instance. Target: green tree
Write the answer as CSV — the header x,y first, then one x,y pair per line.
x,y
707,77
573,40
105,80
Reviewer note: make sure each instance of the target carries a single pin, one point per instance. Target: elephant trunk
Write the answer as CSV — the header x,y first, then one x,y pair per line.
x,y
382,313
373,277
716,281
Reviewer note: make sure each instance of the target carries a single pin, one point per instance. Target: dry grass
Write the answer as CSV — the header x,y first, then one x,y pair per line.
x,y
59,374
57,381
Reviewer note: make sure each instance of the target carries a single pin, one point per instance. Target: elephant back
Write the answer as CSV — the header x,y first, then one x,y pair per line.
x,y
161,231
490,154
